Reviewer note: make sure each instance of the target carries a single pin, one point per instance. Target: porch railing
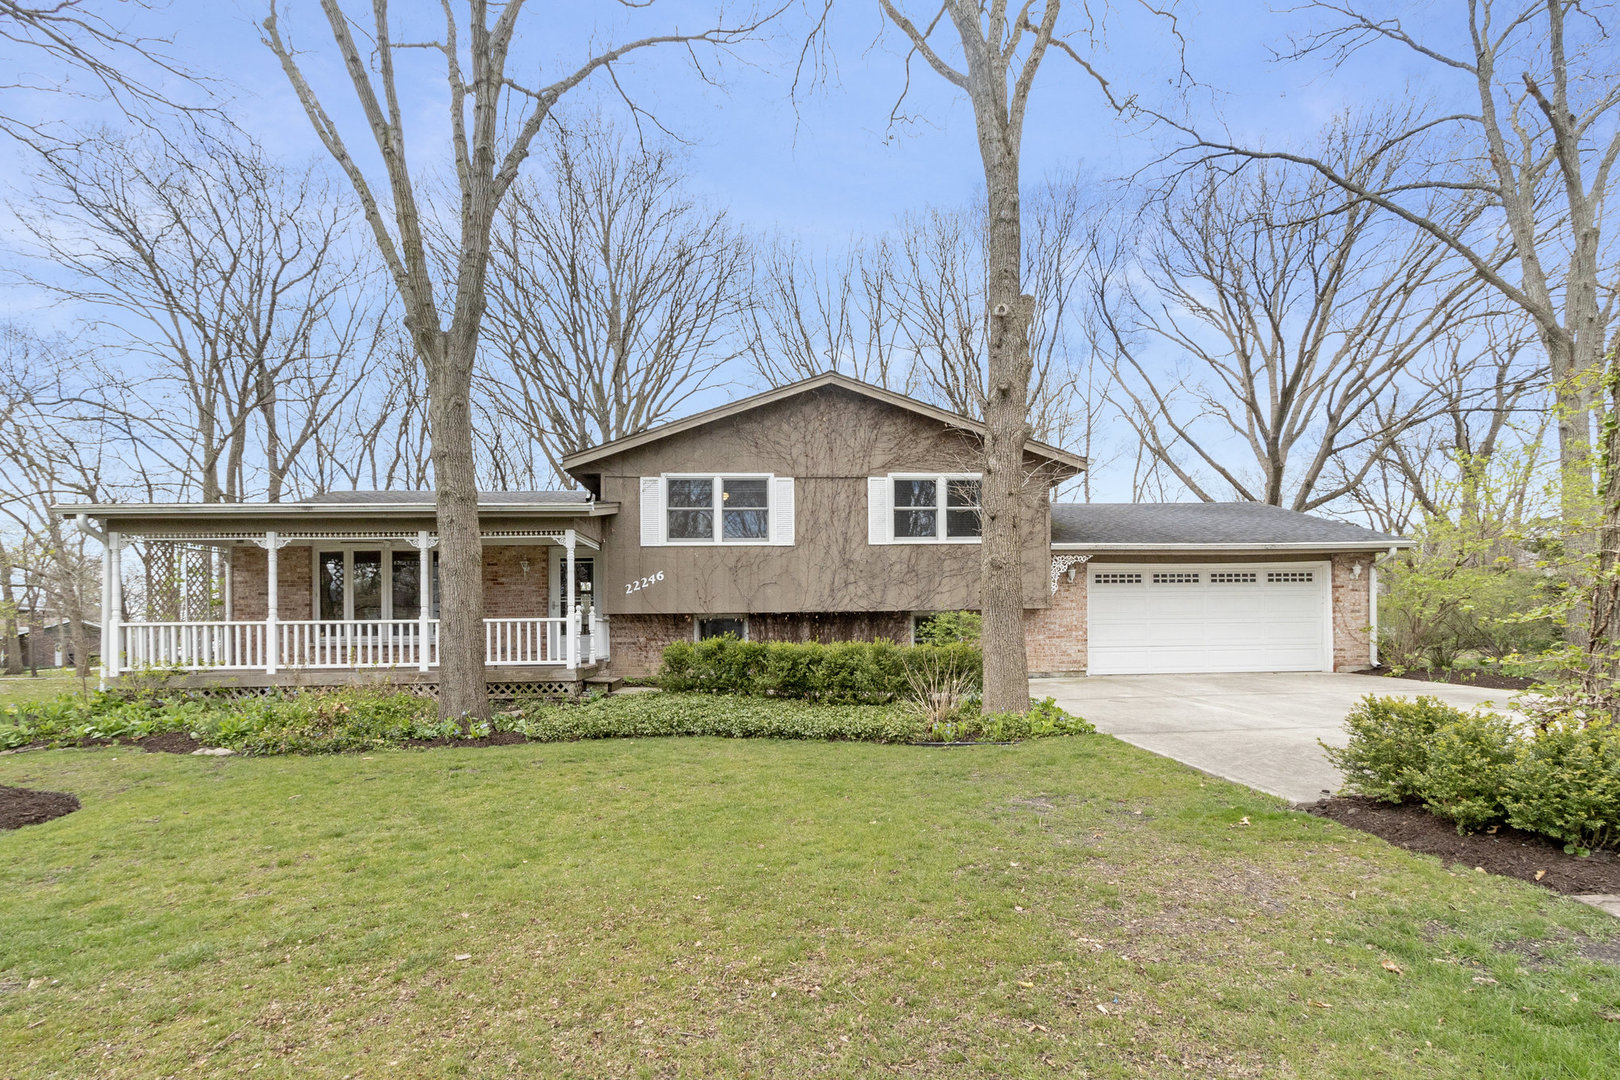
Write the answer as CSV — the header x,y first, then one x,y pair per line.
x,y
354,643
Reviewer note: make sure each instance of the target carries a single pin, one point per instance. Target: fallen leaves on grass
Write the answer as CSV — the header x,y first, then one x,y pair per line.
x,y
1392,966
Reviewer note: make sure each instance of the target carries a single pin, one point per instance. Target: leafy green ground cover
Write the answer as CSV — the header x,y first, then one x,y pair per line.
x,y
767,908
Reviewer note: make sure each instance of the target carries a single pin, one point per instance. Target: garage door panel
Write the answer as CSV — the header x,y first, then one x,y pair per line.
x,y
1203,618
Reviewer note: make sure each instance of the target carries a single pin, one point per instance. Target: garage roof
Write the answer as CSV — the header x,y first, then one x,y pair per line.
x,y
1204,525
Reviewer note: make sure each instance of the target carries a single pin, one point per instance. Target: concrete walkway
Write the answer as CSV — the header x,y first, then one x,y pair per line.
x,y
1259,730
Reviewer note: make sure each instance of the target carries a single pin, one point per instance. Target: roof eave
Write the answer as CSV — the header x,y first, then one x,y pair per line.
x,y
1246,545
584,457
302,510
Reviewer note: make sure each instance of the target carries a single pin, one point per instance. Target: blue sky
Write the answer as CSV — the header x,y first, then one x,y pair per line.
x,y
830,165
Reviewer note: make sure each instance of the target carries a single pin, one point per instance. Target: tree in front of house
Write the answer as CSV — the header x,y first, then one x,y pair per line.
x,y
495,109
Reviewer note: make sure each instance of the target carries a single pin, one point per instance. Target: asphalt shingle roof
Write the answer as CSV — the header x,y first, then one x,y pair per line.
x,y
486,498
1236,524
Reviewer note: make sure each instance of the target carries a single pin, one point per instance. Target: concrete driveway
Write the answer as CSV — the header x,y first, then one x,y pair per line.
x,y
1259,730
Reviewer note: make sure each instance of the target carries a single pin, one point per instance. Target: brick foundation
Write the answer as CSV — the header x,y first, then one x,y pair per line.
x,y
1055,637
1352,613
638,642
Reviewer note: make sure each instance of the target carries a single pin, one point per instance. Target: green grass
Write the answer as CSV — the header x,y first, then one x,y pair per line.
x,y
707,907
50,682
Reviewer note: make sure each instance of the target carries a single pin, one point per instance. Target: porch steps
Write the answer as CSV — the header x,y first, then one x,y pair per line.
x,y
608,683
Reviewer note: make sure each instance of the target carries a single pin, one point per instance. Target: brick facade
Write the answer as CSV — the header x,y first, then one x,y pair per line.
x,y
638,641
1055,637
1352,612
509,591
250,571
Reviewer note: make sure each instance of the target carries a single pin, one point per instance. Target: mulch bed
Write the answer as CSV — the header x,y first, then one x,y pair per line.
x,y
1490,680
25,806
1507,852
175,742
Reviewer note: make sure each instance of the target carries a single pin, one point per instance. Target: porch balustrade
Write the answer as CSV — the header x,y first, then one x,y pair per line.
x,y
348,644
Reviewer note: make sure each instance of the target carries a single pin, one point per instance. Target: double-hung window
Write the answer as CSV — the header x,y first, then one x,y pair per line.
x,y
718,509
933,508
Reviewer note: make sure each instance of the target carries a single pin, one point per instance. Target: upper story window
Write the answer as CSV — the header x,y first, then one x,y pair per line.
x,y
942,507
718,509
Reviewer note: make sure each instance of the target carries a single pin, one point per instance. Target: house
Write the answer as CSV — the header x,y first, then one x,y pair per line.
x,y
55,643
826,510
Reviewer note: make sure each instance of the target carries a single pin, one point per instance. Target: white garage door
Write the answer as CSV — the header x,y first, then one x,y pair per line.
x,y
1215,617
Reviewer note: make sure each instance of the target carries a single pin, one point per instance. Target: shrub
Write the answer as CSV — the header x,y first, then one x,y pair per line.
x,y
1388,752
950,628
1469,759
1565,783
846,672
643,715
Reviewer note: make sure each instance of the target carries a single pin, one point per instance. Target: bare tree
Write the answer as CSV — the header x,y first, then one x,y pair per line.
x,y
1538,144
906,310
613,295
999,57
54,41
48,454
1296,318
483,102
837,313
229,278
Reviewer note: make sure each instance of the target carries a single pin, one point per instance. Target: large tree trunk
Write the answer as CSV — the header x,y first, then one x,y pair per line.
x,y
462,691
1007,429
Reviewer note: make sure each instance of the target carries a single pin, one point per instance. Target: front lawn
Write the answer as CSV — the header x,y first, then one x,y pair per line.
x,y
709,907
49,683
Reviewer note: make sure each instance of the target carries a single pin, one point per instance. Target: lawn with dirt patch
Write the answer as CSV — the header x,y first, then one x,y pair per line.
x,y
708,907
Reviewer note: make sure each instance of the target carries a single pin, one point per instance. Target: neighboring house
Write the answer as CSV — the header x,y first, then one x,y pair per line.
x,y
825,510
50,645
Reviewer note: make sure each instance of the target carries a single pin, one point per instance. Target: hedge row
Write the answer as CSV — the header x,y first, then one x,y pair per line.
x,y
846,672
1559,777
655,714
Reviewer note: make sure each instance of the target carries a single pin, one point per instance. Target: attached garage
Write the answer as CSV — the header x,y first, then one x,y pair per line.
x,y
1172,588
1151,618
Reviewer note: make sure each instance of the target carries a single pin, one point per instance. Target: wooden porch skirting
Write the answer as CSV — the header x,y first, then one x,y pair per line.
x,y
502,681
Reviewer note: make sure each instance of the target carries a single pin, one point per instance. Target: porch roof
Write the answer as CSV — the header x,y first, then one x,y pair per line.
x,y
503,515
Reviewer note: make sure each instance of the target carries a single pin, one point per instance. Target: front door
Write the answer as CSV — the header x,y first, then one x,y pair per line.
x,y
584,594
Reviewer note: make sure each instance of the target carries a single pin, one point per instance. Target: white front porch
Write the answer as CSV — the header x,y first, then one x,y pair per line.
x,y
568,642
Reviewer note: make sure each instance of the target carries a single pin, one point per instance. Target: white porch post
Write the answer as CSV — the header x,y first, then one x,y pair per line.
x,y
568,608
106,608
424,591
272,647
225,579
114,650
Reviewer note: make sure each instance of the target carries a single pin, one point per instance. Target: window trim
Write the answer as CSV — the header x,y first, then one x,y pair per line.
x,y
716,504
698,620
942,480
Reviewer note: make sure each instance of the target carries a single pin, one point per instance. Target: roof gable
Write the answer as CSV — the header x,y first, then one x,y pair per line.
x,y
1072,463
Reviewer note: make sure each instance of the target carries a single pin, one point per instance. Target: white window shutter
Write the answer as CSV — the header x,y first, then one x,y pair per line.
x,y
652,511
877,510
782,511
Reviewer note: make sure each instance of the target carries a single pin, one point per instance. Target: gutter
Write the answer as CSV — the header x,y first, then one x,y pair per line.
x,y
82,523
1312,546
304,510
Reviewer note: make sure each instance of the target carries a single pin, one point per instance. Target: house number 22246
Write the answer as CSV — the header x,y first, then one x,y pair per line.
x,y
643,583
